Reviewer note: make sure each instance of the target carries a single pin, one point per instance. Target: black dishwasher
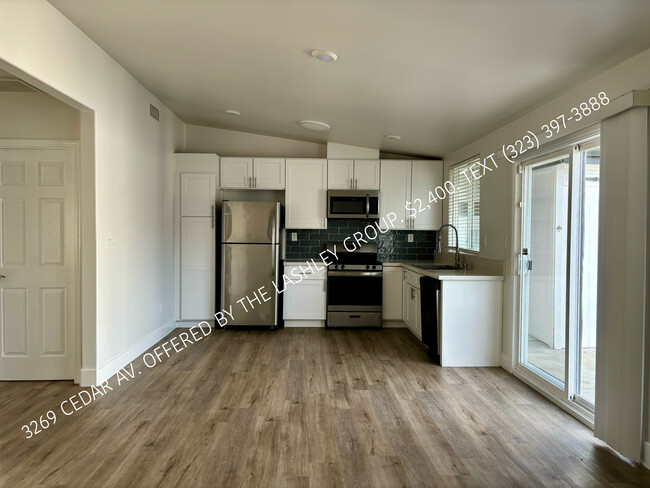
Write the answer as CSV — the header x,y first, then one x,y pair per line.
x,y
429,290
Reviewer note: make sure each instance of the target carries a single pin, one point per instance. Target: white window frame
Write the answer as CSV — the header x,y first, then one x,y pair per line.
x,y
472,188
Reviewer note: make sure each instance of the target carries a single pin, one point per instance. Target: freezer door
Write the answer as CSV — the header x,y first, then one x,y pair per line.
x,y
246,268
251,222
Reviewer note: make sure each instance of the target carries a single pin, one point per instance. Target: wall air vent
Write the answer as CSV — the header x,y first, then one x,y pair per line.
x,y
154,112
14,85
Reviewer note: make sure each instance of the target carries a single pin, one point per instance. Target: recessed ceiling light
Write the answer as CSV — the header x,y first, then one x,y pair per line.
x,y
314,125
393,137
324,55
232,112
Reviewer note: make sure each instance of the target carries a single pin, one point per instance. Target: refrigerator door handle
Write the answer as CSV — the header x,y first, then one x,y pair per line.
x,y
227,222
270,229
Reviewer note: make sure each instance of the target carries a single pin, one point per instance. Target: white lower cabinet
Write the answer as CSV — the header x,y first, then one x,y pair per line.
x,y
305,303
411,302
392,296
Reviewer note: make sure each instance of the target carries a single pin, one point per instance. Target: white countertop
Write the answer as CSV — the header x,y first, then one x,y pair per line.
x,y
439,274
447,274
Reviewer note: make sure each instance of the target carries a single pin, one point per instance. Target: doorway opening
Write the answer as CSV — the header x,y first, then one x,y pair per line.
x,y
558,271
40,263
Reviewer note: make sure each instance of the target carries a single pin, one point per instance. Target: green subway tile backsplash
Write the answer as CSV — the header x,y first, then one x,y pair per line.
x,y
392,245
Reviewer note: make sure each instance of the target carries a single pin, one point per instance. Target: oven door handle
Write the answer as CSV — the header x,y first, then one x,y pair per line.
x,y
367,204
355,273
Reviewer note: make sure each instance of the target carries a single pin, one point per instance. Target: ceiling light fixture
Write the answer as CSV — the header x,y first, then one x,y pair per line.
x,y
393,137
314,125
232,112
324,55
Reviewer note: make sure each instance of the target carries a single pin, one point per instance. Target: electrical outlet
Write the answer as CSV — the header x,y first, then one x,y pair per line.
x,y
160,308
410,237
110,242
108,335
294,236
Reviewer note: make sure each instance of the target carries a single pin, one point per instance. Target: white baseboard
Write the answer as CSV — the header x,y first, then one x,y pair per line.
x,y
646,454
304,323
113,366
393,324
186,324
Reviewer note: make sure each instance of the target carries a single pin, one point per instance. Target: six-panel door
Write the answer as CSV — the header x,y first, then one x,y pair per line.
x,y
37,260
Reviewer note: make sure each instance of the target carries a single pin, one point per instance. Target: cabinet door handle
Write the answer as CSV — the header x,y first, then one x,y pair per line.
x,y
351,184
214,216
412,294
356,184
254,181
250,182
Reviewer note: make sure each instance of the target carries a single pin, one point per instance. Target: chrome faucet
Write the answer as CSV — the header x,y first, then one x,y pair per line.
x,y
457,255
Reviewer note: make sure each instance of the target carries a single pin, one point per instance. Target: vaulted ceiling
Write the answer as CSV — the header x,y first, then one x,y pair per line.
x,y
438,73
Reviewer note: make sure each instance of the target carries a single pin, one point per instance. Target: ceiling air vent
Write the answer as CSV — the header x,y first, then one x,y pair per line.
x,y
154,112
14,85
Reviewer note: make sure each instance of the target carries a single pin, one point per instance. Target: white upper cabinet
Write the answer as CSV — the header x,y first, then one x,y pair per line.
x,y
306,195
395,190
236,172
252,173
198,194
366,174
348,174
411,181
340,174
268,173
425,177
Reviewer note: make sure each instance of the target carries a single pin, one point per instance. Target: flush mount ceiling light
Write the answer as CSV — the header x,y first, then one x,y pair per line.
x,y
314,125
324,55
232,112
393,137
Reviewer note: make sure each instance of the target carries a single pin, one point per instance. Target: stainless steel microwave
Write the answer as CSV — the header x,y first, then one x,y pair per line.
x,y
353,204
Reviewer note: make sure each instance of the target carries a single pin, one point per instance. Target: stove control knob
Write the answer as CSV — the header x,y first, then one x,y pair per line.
x,y
336,266
367,266
374,266
343,266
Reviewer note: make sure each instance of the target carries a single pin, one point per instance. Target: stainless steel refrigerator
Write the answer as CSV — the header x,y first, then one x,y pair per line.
x,y
250,256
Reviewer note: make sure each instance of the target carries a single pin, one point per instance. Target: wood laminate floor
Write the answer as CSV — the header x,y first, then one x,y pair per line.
x,y
303,408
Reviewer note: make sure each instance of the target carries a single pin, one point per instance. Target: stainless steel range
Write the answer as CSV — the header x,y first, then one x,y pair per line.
x,y
354,287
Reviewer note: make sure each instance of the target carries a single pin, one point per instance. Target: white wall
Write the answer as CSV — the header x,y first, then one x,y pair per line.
x,y
497,189
37,116
132,172
234,143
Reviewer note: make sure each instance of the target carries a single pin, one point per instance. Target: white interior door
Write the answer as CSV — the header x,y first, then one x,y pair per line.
x,y
37,264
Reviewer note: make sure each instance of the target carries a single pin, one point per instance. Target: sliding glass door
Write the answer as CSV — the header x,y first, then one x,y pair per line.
x,y
544,267
558,270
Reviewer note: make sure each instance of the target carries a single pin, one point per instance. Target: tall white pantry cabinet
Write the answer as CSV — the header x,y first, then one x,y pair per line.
x,y
197,205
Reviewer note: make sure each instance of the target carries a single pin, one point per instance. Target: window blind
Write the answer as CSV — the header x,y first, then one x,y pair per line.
x,y
464,206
